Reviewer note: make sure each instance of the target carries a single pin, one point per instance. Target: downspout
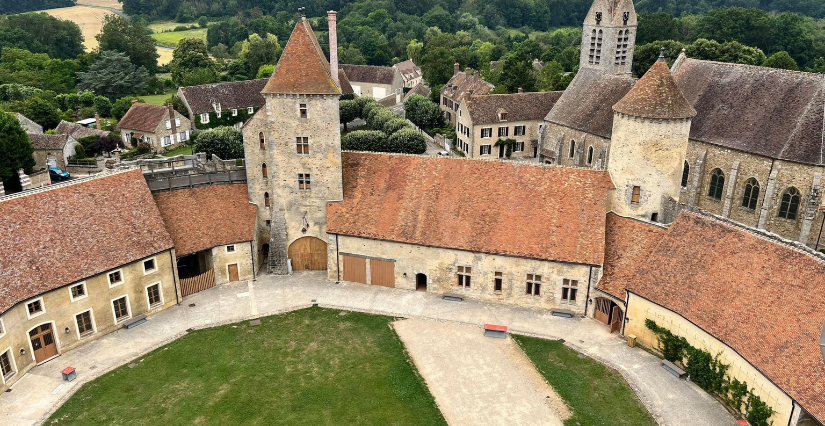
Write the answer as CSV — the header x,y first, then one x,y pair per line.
x,y
252,254
337,261
587,298
626,309
174,276
820,232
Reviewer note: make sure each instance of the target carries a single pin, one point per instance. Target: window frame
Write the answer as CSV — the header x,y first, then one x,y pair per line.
x,y
234,112
267,203
303,111
85,334
518,146
533,285
714,186
38,313
498,282
149,304
154,261
748,197
304,181
128,309
489,131
590,155
230,251
261,140
250,110
109,277
635,195
6,377
465,279
85,291
302,144
786,205
519,130
572,148
572,289
264,171
487,147
506,131
685,175
205,118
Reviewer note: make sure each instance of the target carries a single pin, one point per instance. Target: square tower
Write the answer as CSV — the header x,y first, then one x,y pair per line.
x,y
609,36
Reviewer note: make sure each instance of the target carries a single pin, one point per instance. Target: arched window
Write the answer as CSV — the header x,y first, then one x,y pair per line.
x,y
685,174
590,155
263,171
592,47
717,184
598,58
751,194
266,199
790,204
572,149
261,137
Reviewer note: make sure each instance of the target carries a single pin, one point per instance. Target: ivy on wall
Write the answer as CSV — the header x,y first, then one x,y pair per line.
x,y
226,119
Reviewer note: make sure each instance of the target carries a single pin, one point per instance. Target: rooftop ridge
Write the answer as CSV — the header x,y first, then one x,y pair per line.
x,y
492,160
55,186
641,220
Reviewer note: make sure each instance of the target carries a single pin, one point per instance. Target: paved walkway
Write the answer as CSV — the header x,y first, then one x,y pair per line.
x,y
41,391
477,380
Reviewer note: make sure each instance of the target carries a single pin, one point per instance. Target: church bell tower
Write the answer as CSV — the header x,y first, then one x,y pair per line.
x,y
609,36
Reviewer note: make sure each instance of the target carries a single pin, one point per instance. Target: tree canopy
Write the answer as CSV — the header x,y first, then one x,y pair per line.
x,y
17,151
131,38
225,142
113,76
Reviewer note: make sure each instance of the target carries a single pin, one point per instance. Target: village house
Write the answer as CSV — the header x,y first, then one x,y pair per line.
x,y
461,84
222,104
28,125
482,121
420,89
77,131
161,127
376,82
52,150
410,73
98,260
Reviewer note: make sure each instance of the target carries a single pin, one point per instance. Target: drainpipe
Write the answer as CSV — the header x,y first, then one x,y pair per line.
x,y
174,276
252,255
820,232
626,309
337,260
587,298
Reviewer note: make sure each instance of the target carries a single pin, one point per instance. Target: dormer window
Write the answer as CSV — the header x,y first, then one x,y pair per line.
x,y
502,115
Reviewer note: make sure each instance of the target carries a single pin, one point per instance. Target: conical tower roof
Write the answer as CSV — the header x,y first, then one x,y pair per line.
x,y
656,95
303,68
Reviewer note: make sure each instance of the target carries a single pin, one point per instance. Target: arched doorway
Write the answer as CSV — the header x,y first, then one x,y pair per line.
x,y
42,341
308,254
420,282
608,312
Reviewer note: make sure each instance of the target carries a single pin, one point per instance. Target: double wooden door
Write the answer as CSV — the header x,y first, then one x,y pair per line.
x,y
43,344
308,254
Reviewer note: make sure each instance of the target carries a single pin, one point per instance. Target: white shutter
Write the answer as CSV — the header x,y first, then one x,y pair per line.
x,y
177,122
168,124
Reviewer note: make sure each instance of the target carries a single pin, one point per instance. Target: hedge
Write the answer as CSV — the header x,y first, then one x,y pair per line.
x,y
407,141
364,140
379,117
395,125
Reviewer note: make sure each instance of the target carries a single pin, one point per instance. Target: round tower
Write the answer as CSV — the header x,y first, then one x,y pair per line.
x,y
651,126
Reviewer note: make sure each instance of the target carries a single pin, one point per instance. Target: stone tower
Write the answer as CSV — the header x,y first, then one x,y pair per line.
x,y
293,154
651,126
609,36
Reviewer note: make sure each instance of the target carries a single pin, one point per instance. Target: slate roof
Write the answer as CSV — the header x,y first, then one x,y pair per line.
x,y
627,244
206,217
64,234
462,83
77,131
655,95
760,295
409,70
369,73
524,210
587,103
302,68
48,142
231,95
765,111
143,117
519,106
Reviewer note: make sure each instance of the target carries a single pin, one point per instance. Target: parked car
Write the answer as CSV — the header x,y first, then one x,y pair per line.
x,y
58,175
443,154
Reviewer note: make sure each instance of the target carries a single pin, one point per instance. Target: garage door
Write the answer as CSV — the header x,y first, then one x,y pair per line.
x,y
379,92
382,273
355,269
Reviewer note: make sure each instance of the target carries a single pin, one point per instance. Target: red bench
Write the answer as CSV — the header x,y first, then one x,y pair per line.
x,y
498,331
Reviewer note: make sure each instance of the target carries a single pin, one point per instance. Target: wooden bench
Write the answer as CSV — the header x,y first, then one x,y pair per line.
x,y
673,369
564,313
136,321
453,297
497,331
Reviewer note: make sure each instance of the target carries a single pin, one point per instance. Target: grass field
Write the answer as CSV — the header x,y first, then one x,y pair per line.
x,y
596,395
171,39
89,19
158,99
112,4
308,367
184,150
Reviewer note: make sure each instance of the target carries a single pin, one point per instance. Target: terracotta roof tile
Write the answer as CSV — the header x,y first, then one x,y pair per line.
x,y
519,106
231,95
758,294
143,117
369,73
525,210
65,234
303,68
208,216
77,131
627,244
655,95
51,142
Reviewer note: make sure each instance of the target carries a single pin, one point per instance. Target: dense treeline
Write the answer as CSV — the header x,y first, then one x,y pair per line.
x,y
41,33
8,7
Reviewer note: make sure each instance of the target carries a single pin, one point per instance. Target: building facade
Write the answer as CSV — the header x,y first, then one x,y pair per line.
x,y
374,81
161,127
461,84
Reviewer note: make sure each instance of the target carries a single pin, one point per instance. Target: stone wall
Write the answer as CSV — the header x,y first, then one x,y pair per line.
x,y
242,256
559,139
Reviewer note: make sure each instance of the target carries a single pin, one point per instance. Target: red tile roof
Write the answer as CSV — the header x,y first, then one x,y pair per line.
x,y
143,117
627,243
303,68
656,95
525,210
760,295
208,216
65,234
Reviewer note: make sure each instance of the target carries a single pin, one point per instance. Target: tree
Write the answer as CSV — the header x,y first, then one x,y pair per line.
x,y
550,76
177,104
646,54
657,26
39,110
37,70
781,60
43,34
395,125
423,113
407,141
414,49
348,111
518,72
380,116
437,65
113,76
351,55
265,71
106,144
189,56
364,140
17,151
261,51
122,105
203,22
131,38
103,106
225,142
733,52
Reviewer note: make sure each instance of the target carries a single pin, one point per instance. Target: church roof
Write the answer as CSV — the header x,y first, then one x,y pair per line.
x,y
655,95
303,68
586,104
765,111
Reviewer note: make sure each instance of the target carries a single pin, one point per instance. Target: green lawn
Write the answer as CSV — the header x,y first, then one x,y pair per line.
x,y
308,367
597,395
171,39
158,99
184,150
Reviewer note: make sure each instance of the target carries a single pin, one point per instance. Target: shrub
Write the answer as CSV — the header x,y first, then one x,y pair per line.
x,y
348,111
364,140
225,142
79,152
407,141
362,102
368,108
379,117
395,125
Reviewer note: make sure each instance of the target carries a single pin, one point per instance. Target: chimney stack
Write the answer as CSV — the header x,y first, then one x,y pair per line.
x,y
456,68
468,71
97,121
173,123
521,90
332,18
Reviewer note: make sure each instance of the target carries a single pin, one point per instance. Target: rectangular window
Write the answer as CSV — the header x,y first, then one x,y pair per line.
x,y
518,147
503,132
486,149
149,266
569,290
177,122
230,248
77,291
153,295
302,145
502,116
302,108
487,132
250,110
464,273
234,112
498,282
218,114
35,308
634,197
533,285
5,365
519,130
84,323
168,124
120,307
304,182
115,278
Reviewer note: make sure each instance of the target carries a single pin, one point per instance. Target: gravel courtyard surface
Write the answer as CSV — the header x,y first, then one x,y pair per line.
x,y
479,380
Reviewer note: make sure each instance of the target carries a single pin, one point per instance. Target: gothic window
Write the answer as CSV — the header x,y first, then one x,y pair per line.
x,y
717,183
598,59
261,138
266,199
751,194
790,204
263,171
590,155
592,47
622,43
572,149
685,174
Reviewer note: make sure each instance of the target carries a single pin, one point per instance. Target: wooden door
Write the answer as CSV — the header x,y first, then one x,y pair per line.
x,y
355,269
602,312
502,150
382,273
233,272
308,254
43,343
616,319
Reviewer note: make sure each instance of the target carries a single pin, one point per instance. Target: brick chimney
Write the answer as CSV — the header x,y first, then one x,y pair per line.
x,y
172,122
332,19
468,71
97,121
456,68
25,180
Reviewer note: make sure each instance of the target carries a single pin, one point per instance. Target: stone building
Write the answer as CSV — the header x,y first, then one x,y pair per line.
x,y
609,36
460,85
374,81
77,131
222,104
484,120
161,127
52,150
410,73
99,259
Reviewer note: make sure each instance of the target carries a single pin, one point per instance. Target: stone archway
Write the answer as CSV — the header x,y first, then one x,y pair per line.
x,y
308,254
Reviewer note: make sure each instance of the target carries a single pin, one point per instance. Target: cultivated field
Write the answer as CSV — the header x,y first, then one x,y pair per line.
x,y
111,4
171,39
89,19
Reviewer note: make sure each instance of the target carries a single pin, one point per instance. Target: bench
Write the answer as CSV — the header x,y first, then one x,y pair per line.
x,y
453,297
497,331
673,369
136,321
564,313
